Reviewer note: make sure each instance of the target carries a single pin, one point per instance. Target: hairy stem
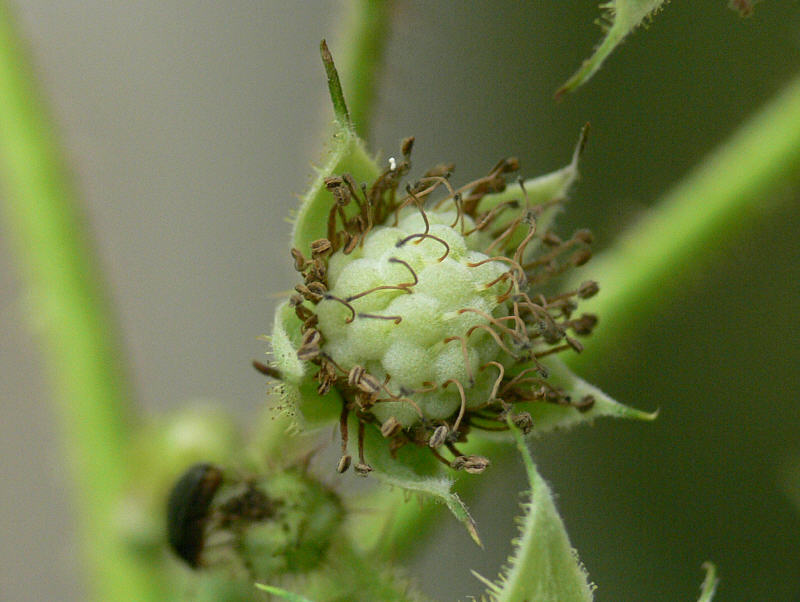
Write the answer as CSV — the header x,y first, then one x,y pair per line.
x,y
71,316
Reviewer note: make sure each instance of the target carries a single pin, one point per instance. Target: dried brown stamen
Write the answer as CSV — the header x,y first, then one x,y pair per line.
x,y
395,319
344,462
300,262
403,241
439,436
391,427
413,198
502,258
362,468
329,296
382,287
495,336
501,368
552,350
529,219
495,321
471,464
413,273
505,234
463,408
519,379
489,217
465,352
321,248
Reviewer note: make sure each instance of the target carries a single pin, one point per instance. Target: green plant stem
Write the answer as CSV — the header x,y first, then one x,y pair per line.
x,y
692,222
71,316
645,265
363,39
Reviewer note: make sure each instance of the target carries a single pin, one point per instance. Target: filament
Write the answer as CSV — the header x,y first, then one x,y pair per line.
x,y
400,243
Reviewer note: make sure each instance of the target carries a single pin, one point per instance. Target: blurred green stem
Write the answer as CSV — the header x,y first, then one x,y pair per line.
x,y
363,39
72,318
721,198
646,265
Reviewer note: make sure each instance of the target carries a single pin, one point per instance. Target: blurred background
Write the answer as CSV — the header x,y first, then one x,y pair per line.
x,y
191,127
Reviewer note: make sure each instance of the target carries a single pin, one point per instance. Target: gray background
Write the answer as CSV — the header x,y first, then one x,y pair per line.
x,y
192,125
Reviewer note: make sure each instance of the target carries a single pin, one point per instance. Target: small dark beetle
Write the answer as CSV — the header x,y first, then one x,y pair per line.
x,y
188,510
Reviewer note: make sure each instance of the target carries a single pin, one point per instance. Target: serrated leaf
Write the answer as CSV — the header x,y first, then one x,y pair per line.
x,y
621,18
415,470
709,586
281,593
544,566
548,416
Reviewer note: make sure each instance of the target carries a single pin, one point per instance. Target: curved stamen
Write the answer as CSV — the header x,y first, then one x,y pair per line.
x,y
382,287
395,319
499,380
403,241
413,273
519,377
491,215
495,336
463,408
513,262
441,180
531,221
331,297
553,350
459,212
493,320
467,365
418,203
410,402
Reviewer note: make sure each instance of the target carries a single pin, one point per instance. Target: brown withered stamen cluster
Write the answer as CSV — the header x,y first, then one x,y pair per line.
x,y
536,326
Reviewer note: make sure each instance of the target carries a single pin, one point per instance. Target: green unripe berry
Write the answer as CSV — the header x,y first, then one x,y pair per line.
x,y
401,331
420,313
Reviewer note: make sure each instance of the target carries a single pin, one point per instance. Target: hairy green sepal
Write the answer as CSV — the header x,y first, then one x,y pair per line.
x,y
346,154
547,417
544,566
620,17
